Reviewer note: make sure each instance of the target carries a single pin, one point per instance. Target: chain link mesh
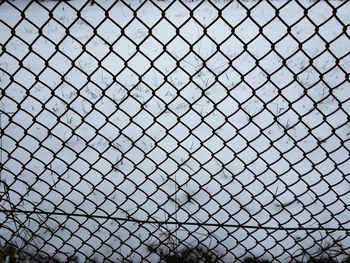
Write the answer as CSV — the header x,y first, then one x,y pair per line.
x,y
175,131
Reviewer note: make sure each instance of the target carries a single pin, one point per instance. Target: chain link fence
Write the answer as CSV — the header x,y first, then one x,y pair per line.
x,y
175,131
